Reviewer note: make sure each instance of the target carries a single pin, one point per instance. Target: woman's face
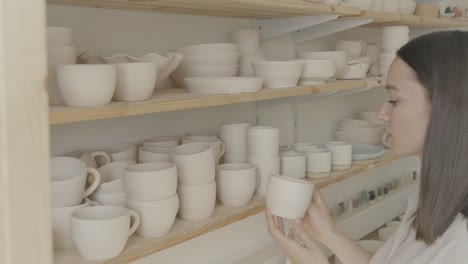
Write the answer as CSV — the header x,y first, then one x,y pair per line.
x,y
406,112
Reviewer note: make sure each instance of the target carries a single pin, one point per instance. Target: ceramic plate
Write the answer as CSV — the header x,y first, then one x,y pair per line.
x,y
367,151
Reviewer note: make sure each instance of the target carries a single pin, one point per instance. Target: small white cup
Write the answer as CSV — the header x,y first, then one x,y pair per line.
x,y
293,164
135,81
162,142
236,183
195,163
341,154
123,152
154,154
288,197
157,217
101,232
197,202
112,198
234,136
263,141
111,176
304,147
217,145
89,158
150,181
68,178
318,163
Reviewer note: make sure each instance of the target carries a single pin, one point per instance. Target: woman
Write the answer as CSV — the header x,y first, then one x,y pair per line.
x,y
427,115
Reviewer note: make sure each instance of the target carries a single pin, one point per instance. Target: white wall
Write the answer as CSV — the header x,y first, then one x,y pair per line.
x,y
136,33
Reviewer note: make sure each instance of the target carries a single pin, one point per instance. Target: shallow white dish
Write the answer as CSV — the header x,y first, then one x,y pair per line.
x,y
367,151
224,85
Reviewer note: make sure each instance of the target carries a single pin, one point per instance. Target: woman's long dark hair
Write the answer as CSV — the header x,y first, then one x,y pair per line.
x,y
440,61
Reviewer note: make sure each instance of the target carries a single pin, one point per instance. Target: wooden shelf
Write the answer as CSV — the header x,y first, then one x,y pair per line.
x,y
230,8
138,247
392,19
166,100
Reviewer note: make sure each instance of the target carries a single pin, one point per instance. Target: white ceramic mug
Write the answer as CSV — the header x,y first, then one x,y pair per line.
x,y
101,232
111,176
304,146
162,142
151,181
157,217
195,163
217,145
197,202
341,154
89,158
236,183
318,163
123,152
293,164
154,154
234,136
262,141
67,180
61,223
111,198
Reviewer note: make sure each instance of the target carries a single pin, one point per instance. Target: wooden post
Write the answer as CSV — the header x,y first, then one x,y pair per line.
x,y
25,230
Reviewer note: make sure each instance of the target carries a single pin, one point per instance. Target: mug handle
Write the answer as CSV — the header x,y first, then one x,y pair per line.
x,y
223,149
103,154
136,222
96,181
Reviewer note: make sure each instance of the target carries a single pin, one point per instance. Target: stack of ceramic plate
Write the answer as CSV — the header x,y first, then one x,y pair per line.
x,y
359,131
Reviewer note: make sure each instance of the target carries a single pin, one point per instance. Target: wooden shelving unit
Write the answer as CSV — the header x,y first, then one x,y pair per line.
x,y
139,247
167,100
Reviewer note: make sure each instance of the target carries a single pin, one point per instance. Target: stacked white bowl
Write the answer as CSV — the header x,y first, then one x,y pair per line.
x,y
234,136
196,186
263,153
60,51
393,38
338,57
359,131
207,60
152,192
248,41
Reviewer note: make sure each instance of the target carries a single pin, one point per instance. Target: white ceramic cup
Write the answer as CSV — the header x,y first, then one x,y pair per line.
x,y
67,181
111,198
58,55
304,147
111,176
86,84
217,145
195,163
318,163
123,152
265,167
197,202
89,158
234,136
154,154
101,232
61,223
162,142
353,49
293,164
151,181
288,197
156,217
236,183
135,81
341,154
263,141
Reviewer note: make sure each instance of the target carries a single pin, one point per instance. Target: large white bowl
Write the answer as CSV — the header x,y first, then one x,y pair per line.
x,y
135,81
86,84
279,74
202,71
224,85
208,48
212,59
288,197
317,71
339,57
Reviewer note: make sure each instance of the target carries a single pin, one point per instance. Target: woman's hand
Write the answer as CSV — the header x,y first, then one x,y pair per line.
x,y
318,220
308,253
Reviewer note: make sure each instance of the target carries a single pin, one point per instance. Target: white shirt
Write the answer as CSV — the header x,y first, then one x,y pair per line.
x,y
403,248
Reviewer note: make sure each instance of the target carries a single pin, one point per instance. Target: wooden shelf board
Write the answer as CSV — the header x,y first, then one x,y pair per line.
x,y
390,19
175,99
230,8
139,247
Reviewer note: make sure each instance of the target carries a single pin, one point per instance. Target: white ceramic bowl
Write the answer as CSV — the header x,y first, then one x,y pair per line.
x,y
224,85
212,59
86,84
203,71
355,71
208,48
339,57
288,197
353,49
58,55
317,71
151,181
236,183
59,36
135,81
279,74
